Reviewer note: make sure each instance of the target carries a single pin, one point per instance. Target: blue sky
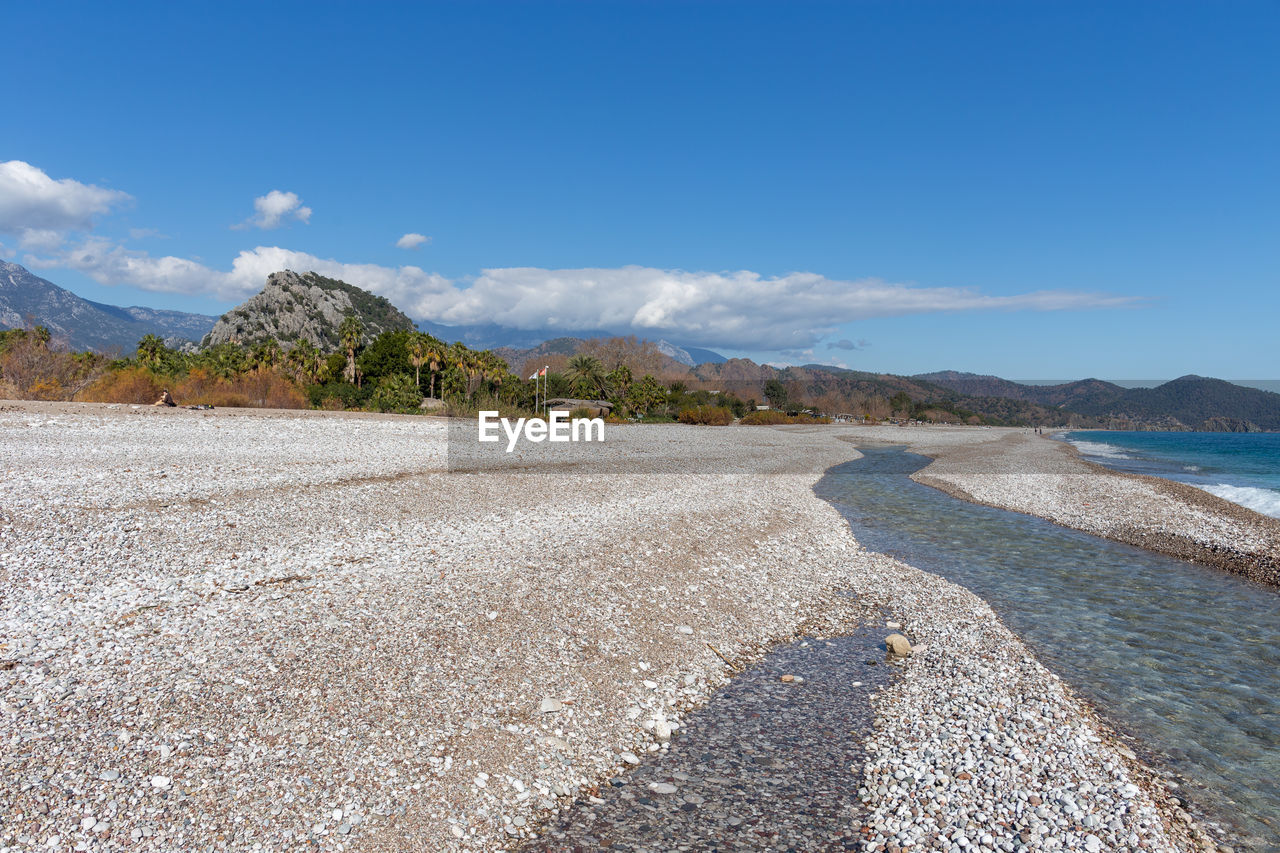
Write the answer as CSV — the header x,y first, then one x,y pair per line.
x,y
1029,189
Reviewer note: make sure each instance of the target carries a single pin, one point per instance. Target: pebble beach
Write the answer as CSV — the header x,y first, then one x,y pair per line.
x,y
253,630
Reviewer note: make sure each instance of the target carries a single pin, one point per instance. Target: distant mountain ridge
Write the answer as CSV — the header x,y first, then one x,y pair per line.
x,y
305,305
26,299
1193,402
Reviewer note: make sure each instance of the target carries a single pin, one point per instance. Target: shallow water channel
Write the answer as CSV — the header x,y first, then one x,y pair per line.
x,y
765,765
1183,657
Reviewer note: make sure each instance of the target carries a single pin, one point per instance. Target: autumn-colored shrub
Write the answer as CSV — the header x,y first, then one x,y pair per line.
x,y
198,387
764,418
774,418
261,388
126,385
707,415
32,368
47,389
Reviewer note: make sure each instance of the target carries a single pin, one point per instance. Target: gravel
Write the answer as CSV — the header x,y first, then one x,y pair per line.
x,y
259,630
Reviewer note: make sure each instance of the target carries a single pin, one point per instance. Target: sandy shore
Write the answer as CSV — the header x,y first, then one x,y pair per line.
x,y
252,630
1017,470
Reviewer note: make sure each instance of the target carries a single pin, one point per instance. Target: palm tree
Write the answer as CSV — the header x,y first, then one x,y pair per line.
x,y
435,358
586,375
351,333
305,359
150,350
492,368
418,347
266,353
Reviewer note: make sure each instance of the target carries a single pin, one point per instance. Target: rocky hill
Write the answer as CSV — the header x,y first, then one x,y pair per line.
x,y
305,305
28,300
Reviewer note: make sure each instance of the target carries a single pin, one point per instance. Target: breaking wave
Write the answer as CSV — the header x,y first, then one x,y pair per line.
x,y
1098,448
1265,501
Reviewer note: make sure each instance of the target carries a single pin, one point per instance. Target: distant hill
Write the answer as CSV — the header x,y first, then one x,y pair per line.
x,y
1093,393
1199,403
28,300
1191,402
306,305
659,358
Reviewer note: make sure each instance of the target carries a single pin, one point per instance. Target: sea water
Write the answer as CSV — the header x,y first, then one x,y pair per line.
x,y
1184,657
1242,467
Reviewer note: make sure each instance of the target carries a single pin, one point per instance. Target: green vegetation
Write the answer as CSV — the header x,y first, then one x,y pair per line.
x,y
395,370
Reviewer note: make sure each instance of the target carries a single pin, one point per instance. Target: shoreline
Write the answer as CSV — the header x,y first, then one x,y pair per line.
x,y
1059,485
312,614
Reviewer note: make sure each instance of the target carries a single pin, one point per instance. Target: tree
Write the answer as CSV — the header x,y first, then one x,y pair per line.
x,y
776,393
418,348
386,355
351,333
618,381
492,368
266,353
586,375
396,393
151,351
306,360
435,359
646,395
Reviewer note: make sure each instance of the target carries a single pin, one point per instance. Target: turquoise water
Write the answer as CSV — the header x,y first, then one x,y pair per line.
x,y
1183,657
1241,467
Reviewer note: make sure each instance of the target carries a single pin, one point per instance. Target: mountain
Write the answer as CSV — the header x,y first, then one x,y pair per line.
x,y
705,356
306,305
27,299
641,356
1093,394
675,353
1198,403
1191,402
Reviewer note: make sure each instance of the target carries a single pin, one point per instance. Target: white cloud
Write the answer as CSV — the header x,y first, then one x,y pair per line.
x,y
41,239
275,207
735,310
409,287
36,208
412,241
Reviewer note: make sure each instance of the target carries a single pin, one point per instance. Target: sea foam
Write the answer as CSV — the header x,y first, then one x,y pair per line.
x,y
1265,501
1098,448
